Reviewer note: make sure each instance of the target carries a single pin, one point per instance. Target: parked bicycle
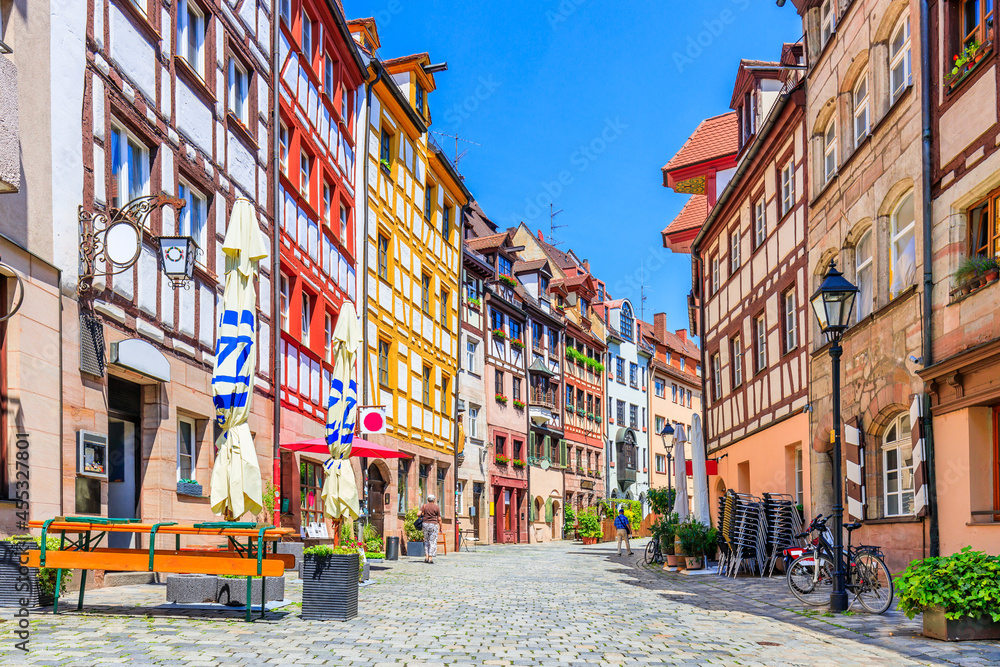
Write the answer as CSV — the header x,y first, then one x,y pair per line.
x,y
810,570
653,553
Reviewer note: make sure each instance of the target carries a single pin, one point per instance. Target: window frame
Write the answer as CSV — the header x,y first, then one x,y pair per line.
x,y
239,90
734,252
715,273
789,307
383,258
306,311
868,265
827,21
385,149
384,372
760,343
760,222
196,59
426,377
284,300
445,382
306,42
425,294
284,146
328,337
787,187
313,515
902,441
123,164
861,107
896,236
716,377
193,453
902,58
736,352
444,316
306,162
829,153
186,226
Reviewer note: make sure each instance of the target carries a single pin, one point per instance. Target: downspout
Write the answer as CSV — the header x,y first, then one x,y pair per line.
x,y
458,368
696,256
276,266
363,293
925,116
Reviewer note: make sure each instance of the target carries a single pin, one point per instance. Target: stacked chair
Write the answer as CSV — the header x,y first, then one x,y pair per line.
x,y
783,524
753,532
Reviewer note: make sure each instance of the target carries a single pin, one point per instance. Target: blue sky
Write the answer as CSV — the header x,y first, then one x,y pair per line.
x,y
581,102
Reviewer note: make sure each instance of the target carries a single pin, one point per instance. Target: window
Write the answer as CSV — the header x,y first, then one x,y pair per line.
x,y
427,386
343,224
193,218
402,475
428,201
471,348
425,294
423,473
829,154
633,374
897,467
737,354
498,381
659,386
689,398
827,21
787,187
798,475
443,308
682,362
239,91
473,422
383,363
191,35
516,329
496,319
734,252
505,266
660,423
553,339
310,490
327,201
900,75
460,497
286,11
569,397
328,338
759,222
383,257
345,98
517,389
307,37
306,316
283,148
501,446
760,343
285,297
620,412
185,448
328,77
862,126
445,409
716,377
903,263
129,167
715,274
385,149
626,321
620,370
583,307
633,415
536,335
305,174
420,98
446,222
788,303
661,463
863,273
673,393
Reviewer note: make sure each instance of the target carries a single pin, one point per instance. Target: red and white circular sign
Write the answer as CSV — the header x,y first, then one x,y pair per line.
x,y
372,421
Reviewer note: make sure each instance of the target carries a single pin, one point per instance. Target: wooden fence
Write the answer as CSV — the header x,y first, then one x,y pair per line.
x,y
644,529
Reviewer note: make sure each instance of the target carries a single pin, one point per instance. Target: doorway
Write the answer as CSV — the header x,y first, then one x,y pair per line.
x,y
124,456
477,501
376,499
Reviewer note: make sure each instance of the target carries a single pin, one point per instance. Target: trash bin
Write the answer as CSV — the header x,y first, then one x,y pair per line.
x,y
392,548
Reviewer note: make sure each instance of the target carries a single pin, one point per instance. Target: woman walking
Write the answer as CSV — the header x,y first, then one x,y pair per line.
x,y
431,515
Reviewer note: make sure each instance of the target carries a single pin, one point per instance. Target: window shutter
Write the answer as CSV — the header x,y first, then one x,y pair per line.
x,y
531,511
531,446
548,510
921,507
548,448
562,453
855,471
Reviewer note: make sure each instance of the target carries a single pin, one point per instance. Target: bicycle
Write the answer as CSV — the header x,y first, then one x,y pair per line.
x,y
810,574
653,553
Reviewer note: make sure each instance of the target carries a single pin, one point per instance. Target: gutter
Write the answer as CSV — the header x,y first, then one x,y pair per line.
x,y
276,266
926,352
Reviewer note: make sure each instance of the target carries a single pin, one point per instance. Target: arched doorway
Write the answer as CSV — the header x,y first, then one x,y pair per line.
x,y
376,497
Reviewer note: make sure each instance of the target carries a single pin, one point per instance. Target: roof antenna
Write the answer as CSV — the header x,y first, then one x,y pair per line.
x,y
553,227
642,291
458,156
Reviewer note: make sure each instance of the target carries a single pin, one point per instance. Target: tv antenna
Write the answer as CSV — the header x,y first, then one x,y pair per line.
x,y
553,226
642,291
458,156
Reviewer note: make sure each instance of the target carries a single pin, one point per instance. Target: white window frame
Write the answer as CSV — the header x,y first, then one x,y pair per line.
x,y
790,304
716,377
760,342
343,223
284,141
827,21
715,273
899,445
737,363
829,151
194,54
328,338
239,91
460,497
471,350
306,36
760,222
659,388
305,333
193,453
129,166
305,174
898,239
734,252
141,5
787,186
285,299
900,59
798,476
862,119
474,421
327,200
661,463
328,77
864,265
192,220
285,9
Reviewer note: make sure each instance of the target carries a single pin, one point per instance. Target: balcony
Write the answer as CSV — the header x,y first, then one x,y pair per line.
x,y
543,405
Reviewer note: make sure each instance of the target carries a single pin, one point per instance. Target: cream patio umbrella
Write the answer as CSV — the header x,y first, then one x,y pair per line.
x,y
340,493
701,509
680,473
236,485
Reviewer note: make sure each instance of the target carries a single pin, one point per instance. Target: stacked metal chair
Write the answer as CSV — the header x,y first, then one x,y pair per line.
x,y
783,524
727,508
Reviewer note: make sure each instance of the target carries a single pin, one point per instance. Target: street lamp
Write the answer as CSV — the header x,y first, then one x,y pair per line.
x,y
832,304
668,444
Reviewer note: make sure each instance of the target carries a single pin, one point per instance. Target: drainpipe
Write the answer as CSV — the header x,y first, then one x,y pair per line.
x,y
458,368
276,265
925,115
363,283
696,258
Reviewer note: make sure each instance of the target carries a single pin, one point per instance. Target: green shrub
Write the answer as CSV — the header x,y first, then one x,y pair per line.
x,y
46,575
693,536
661,501
372,540
590,524
964,584
569,519
412,534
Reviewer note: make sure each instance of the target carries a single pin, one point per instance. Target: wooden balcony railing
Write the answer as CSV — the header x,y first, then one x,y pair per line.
x,y
548,399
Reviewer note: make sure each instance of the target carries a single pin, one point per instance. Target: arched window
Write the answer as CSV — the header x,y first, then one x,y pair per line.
x,y
864,275
627,321
862,124
830,151
903,263
900,74
897,467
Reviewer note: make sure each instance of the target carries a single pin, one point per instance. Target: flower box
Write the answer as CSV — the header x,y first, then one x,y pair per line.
x,y
507,280
519,404
501,399
475,303
590,416
330,587
501,460
517,342
499,334
189,487
518,463
938,626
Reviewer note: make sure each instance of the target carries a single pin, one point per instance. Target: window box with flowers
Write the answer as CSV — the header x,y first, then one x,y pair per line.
x,y
518,463
501,399
499,334
475,302
519,404
964,63
974,273
507,280
517,343
590,416
501,460
581,471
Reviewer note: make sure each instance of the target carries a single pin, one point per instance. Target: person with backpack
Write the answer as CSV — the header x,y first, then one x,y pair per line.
x,y
624,530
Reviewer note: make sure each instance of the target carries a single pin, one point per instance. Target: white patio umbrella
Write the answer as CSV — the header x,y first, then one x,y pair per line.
x,y
680,473
701,508
236,485
340,492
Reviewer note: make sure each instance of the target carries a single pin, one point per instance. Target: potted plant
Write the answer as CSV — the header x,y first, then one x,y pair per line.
x,y
499,334
475,302
989,269
691,535
517,343
959,595
501,399
590,527
569,520
966,273
188,487
330,583
519,404
414,535
501,460
386,167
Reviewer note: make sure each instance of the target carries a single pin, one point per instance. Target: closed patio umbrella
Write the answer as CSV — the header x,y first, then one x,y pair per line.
x,y
701,509
680,473
236,484
340,492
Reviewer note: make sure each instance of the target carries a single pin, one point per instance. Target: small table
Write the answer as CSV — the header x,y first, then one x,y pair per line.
x,y
467,536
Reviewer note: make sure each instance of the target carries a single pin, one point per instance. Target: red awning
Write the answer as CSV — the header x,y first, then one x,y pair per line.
x,y
359,448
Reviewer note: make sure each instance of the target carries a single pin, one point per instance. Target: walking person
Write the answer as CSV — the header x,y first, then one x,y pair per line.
x,y
431,515
624,530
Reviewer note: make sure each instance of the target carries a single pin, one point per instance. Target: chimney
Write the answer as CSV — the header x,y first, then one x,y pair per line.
x,y
540,237
586,265
682,334
659,325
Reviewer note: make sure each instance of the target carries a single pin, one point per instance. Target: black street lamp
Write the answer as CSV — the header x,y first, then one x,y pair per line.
x,y
833,304
668,444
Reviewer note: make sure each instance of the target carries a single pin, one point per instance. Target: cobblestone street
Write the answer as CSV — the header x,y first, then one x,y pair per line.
x,y
551,604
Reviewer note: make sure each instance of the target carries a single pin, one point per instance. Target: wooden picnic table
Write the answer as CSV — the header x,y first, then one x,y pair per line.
x,y
80,539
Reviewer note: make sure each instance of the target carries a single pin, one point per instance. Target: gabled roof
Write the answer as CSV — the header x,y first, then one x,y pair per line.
x,y
680,233
714,138
747,72
477,221
533,265
491,242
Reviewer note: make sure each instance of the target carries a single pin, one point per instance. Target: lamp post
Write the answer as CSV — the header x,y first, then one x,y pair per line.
x,y
832,304
667,434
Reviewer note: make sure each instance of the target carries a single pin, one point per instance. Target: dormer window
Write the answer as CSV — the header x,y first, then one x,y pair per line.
x,y
545,285
505,267
420,99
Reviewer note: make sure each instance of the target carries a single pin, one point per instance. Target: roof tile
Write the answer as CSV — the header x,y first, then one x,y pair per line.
x,y
714,138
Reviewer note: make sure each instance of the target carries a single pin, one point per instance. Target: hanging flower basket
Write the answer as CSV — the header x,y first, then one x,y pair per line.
x,y
501,399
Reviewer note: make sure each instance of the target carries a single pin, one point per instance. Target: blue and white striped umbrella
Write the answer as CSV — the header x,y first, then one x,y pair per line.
x,y
236,483
340,492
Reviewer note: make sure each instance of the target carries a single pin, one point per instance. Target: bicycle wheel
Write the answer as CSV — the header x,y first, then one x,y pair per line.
x,y
650,555
875,588
801,583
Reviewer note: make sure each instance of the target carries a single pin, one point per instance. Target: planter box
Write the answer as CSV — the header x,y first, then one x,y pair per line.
x,y
187,489
192,588
10,571
938,626
589,540
415,549
692,562
233,592
330,587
